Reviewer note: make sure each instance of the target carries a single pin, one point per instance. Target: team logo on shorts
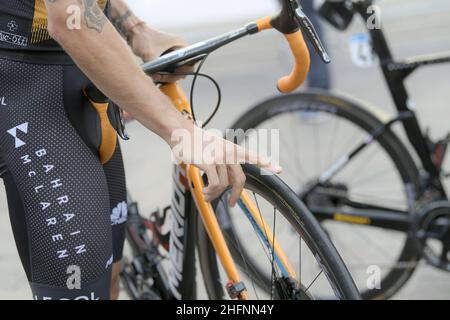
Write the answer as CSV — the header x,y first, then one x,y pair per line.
x,y
22,128
119,214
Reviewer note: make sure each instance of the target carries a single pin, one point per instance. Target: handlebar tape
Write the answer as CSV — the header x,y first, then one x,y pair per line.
x,y
301,56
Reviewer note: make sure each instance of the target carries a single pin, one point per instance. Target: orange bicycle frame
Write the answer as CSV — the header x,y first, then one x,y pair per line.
x,y
178,98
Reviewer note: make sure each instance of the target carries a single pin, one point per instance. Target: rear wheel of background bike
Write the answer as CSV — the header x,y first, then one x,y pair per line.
x,y
315,131
320,272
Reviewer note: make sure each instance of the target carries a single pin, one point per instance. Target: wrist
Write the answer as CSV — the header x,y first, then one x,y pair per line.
x,y
129,25
178,126
182,129
134,29
124,20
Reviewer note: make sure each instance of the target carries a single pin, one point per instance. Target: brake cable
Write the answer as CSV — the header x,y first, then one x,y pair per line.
x,y
197,74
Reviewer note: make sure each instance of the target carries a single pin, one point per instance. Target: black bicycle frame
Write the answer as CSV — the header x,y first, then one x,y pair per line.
x,y
182,273
395,73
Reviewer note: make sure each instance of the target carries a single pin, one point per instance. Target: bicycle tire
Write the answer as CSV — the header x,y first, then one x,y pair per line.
x,y
359,115
304,223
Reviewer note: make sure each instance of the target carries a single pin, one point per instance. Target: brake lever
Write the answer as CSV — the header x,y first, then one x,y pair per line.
x,y
308,28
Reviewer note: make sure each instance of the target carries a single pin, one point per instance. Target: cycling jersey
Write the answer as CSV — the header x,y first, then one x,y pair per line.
x,y
23,25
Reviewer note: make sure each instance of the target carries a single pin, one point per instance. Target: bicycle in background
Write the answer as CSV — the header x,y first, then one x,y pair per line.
x,y
358,178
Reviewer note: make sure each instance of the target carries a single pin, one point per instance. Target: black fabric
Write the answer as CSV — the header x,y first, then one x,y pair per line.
x,y
18,222
115,176
78,108
38,57
97,290
23,25
65,207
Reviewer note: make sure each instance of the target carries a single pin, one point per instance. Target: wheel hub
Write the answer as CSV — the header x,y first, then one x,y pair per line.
x,y
288,289
327,195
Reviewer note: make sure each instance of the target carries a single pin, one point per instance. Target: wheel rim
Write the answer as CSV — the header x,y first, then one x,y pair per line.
x,y
257,265
311,120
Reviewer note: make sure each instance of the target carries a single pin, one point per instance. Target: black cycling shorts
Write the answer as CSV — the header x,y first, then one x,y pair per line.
x,y
67,210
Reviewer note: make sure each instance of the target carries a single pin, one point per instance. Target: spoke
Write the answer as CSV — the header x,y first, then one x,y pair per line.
x,y
375,175
261,217
251,275
238,247
314,280
317,157
352,148
374,244
261,243
297,164
257,205
340,244
350,143
267,236
273,249
296,141
263,246
365,159
336,127
338,167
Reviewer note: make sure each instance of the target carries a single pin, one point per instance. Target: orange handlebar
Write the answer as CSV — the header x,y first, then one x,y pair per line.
x,y
301,55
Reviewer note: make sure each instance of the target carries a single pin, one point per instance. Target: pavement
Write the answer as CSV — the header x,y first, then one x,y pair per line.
x,y
247,72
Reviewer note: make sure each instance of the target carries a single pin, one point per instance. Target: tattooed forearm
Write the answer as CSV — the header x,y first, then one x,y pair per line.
x,y
95,19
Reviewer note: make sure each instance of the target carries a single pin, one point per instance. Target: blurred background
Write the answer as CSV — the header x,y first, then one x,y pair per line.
x,y
247,72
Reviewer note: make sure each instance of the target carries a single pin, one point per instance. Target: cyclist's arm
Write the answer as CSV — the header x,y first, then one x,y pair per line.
x,y
122,17
146,42
97,48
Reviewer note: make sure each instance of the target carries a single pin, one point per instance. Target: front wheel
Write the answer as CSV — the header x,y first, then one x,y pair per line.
x,y
360,186
320,271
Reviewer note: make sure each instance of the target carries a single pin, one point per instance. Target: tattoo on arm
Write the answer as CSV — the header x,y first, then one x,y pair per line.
x,y
118,21
95,19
